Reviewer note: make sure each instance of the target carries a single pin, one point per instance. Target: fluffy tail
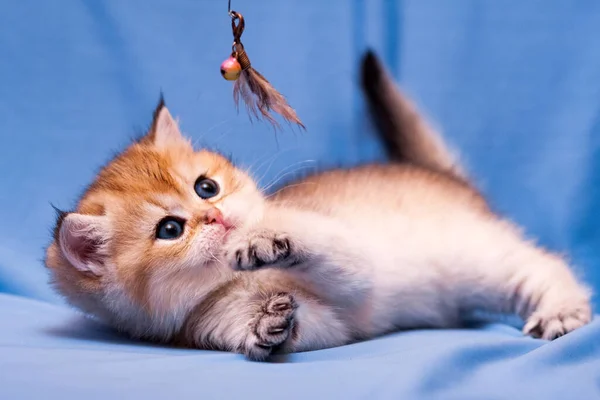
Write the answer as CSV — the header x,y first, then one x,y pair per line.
x,y
405,134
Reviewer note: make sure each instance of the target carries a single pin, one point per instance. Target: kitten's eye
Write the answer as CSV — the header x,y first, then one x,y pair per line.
x,y
169,228
206,187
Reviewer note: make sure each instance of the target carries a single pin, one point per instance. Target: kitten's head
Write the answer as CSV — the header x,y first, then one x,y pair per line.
x,y
145,238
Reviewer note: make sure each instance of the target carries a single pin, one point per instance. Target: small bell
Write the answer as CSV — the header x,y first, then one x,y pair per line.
x,y
231,69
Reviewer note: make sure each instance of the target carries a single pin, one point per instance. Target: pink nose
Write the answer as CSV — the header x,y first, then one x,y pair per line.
x,y
214,216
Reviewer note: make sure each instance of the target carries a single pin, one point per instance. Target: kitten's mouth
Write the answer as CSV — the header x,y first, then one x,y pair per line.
x,y
229,224
225,223
220,232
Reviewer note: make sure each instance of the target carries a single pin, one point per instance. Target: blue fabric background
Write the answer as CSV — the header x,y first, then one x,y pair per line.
x,y
515,85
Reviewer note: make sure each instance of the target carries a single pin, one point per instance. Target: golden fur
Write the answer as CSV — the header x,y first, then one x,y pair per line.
x,y
333,258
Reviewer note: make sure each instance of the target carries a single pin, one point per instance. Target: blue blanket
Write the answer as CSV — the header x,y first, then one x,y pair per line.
x,y
515,85
50,352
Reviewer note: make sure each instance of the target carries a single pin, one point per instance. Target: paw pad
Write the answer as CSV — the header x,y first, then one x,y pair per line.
x,y
272,325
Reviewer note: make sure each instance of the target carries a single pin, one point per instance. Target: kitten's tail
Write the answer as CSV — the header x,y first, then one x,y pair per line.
x,y
405,133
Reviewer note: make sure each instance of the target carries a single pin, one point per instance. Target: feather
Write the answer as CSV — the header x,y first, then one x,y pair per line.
x,y
261,98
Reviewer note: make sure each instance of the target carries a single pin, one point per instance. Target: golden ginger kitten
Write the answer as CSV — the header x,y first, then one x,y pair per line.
x,y
179,246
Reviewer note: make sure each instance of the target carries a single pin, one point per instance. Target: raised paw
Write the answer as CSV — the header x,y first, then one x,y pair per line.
x,y
551,324
248,252
271,327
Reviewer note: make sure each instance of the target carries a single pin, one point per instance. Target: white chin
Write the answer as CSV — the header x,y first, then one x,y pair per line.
x,y
212,243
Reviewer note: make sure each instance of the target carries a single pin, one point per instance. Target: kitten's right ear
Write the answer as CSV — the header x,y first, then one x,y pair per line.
x,y
83,240
164,129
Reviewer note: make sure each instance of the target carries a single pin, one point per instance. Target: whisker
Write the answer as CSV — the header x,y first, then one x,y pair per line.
x,y
222,135
287,170
289,186
204,134
215,258
253,174
283,173
272,159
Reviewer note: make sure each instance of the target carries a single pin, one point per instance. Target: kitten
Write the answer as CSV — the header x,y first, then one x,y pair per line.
x,y
178,246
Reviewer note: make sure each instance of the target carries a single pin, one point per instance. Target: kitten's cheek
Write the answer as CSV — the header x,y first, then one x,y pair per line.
x,y
243,212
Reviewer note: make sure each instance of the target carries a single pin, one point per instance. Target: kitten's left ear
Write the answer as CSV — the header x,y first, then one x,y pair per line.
x,y
164,130
83,241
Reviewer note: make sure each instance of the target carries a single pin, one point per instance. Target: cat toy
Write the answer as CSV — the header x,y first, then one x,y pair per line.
x,y
260,97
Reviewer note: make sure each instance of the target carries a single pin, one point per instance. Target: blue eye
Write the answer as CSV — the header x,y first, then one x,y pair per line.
x,y
206,187
169,228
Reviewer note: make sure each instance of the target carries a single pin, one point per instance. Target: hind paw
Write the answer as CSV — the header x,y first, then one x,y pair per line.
x,y
554,323
272,326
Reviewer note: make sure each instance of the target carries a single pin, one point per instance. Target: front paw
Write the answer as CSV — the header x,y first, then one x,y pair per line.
x,y
271,327
247,252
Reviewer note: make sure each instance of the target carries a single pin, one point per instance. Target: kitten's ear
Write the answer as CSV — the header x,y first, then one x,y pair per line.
x,y
83,241
164,130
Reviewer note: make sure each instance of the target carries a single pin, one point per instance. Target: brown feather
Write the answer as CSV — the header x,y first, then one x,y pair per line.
x,y
261,98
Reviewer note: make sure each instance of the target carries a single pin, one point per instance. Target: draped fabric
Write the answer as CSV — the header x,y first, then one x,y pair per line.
x,y
514,86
